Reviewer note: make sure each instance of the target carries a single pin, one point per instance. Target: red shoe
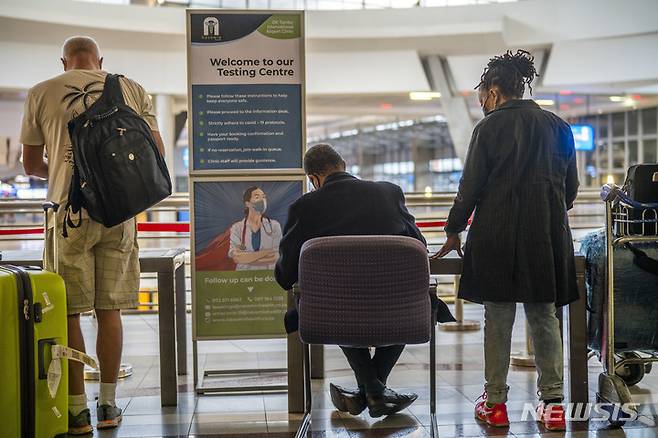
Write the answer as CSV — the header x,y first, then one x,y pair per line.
x,y
494,416
552,416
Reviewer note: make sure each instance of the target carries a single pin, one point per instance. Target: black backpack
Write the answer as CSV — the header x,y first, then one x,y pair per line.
x,y
118,171
641,185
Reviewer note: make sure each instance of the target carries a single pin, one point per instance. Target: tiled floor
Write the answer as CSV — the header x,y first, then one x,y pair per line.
x,y
460,374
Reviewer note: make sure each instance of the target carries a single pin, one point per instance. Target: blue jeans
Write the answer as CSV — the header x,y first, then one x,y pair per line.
x,y
545,335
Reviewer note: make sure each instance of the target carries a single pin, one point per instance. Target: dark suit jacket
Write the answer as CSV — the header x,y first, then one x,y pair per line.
x,y
520,178
345,205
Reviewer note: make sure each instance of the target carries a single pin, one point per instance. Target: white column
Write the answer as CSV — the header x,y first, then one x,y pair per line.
x,y
455,107
164,113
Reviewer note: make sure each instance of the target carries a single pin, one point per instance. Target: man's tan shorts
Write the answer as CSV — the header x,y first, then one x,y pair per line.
x,y
100,265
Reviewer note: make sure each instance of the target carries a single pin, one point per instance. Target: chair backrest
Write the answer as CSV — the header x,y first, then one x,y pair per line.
x,y
364,291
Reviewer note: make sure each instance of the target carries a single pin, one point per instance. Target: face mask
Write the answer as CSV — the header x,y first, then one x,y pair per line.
x,y
313,184
260,206
484,106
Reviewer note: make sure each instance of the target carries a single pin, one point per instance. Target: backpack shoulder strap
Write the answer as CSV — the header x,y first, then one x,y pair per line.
x,y
112,89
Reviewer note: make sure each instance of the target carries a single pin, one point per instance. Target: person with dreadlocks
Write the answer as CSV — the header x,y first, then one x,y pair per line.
x,y
520,178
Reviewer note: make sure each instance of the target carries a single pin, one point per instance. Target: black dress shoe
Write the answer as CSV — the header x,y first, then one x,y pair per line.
x,y
408,399
346,400
337,397
389,402
355,401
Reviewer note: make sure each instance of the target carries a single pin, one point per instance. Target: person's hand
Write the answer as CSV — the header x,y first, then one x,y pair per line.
x,y
267,256
453,243
270,258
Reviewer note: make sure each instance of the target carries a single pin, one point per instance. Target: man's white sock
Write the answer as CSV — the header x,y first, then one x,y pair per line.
x,y
77,403
107,394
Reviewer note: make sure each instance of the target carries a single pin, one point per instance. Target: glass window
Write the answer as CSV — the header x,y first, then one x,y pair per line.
x,y
649,121
618,125
633,157
603,127
603,155
632,122
590,120
618,155
650,151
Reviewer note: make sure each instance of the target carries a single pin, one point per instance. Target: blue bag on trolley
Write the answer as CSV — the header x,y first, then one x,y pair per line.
x,y
636,294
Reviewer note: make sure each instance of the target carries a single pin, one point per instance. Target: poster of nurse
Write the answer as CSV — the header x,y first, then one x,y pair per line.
x,y
238,224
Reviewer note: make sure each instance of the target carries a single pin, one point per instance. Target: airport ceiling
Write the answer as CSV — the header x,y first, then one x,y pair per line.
x,y
348,51
331,114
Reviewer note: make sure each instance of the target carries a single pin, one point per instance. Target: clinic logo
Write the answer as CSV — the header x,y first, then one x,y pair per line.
x,y
211,29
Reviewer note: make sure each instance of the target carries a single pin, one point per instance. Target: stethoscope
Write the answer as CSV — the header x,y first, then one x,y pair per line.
x,y
244,231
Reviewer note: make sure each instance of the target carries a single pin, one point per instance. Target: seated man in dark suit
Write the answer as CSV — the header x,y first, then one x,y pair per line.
x,y
341,204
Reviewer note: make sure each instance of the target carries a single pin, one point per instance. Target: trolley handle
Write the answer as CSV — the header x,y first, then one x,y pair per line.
x,y
612,192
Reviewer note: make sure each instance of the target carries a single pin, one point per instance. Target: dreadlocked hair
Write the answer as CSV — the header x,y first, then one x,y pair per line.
x,y
510,72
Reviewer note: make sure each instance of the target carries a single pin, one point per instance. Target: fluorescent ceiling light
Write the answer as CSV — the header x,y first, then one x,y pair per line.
x,y
545,102
617,98
424,95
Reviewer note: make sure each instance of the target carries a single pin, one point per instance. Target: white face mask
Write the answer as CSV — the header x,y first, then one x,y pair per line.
x,y
313,183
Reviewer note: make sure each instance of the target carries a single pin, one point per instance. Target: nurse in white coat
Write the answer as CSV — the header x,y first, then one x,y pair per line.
x,y
255,239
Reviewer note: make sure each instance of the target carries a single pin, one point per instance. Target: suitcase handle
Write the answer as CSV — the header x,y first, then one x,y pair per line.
x,y
43,373
48,205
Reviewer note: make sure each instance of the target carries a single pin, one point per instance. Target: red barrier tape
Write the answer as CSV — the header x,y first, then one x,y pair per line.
x,y
431,224
157,227
160,227
175,227
21,231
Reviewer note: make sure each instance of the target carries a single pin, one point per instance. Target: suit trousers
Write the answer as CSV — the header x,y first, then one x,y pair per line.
x,y
372,372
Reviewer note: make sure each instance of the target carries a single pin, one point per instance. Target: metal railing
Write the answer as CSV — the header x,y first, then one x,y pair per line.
x,y
588,213
180,202
424,206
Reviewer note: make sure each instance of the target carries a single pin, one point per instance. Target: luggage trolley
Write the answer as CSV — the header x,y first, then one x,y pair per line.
x,y
627,221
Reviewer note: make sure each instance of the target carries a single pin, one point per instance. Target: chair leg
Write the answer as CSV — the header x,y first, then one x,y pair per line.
x,y
306,419
434,430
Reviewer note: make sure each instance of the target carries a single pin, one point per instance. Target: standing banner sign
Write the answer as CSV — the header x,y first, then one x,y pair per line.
x,y
246,88
247,133
235,247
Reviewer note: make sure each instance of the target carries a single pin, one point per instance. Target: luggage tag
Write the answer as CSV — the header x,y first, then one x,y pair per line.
x,y
48,306
59,353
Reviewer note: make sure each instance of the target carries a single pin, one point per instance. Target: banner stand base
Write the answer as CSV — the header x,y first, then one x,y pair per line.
x,y
200,389
272,389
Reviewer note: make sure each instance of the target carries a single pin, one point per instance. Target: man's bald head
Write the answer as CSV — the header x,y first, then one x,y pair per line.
x,y
81,52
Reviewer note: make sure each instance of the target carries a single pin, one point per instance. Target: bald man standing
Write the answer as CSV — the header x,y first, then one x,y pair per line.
x,y
100,266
